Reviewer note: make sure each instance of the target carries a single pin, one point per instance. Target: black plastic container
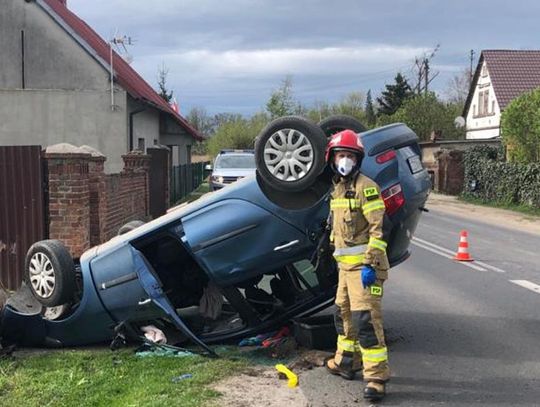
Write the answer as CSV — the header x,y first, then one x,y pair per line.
x,y
316,332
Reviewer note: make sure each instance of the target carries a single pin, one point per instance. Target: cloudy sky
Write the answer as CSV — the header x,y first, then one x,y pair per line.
x,y
228,55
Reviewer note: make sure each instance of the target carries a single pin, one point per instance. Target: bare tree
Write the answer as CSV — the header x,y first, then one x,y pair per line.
x,y
457,88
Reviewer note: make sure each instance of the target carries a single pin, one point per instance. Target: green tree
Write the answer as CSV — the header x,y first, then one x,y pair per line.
x,y
520,128
281,102
426,115
369,111
167,95
393,97
237,133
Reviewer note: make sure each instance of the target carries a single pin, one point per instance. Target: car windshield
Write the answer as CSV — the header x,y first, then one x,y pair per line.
x,y
235,161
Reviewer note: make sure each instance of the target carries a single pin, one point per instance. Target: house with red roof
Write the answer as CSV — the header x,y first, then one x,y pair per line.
x,y
61,82
500,77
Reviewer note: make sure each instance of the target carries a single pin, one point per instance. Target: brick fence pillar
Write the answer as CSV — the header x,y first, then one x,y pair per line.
x,y
69,195
136,162
98,196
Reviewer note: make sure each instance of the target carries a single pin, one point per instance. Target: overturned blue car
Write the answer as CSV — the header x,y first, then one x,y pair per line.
x,y
234,263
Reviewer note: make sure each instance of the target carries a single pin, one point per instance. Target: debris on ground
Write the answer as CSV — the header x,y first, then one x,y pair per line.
x,y
286,374
181,377
154,334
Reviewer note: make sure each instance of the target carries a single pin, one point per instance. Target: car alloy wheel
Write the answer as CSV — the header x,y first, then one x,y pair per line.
x,y
50,272
288,155
42,275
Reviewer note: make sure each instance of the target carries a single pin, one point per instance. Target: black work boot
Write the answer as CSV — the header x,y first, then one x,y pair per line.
x,y
335,369
374,391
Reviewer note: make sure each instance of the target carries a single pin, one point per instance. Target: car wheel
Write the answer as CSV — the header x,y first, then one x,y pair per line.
x,y
289,153
128,227
336,123
50,272
54,313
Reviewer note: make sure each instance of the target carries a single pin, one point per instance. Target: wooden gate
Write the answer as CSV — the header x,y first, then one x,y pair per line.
x,y
22,209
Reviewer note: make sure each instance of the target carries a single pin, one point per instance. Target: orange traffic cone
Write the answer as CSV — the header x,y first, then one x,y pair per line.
x,y
463,248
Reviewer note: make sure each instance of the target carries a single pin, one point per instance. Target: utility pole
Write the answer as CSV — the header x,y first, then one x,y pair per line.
x,y
424,71
470,71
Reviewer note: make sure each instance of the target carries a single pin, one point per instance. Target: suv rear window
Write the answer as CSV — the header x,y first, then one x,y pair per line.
x,y
235,161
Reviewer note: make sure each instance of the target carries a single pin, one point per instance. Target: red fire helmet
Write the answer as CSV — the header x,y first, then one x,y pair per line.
x,y
344,140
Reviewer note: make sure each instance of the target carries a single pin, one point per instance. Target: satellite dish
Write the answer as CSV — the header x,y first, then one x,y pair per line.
x,y
459,122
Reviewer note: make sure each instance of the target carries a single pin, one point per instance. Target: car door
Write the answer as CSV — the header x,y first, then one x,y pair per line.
x,y
234,240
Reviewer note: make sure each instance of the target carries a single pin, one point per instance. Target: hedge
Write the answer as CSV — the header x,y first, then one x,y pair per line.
x,y
489,178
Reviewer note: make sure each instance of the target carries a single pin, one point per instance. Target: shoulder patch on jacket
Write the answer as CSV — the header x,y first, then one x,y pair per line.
x,y
371,193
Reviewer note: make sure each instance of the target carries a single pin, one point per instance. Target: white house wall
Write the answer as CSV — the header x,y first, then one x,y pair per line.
x,y
46,117
487,125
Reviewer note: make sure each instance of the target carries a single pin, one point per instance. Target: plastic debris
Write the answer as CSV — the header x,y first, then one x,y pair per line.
x,y
256,340
154,334
181,377
277,339
292,378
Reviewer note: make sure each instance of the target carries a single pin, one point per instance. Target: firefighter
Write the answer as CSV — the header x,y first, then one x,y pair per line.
x,y
357,212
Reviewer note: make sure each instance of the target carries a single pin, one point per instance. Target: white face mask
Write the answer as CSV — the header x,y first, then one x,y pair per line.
x,y
345,165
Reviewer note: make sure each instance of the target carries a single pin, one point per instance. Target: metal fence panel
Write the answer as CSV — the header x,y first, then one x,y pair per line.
x,y
22,209
185,179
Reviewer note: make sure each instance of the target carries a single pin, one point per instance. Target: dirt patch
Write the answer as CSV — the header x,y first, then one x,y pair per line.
x,y
260,386
501,217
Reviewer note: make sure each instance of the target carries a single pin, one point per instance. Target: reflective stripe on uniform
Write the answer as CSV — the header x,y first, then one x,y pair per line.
x,y
345,345
353,259
374,355
360,249
377,244
343,203
373,206
350,255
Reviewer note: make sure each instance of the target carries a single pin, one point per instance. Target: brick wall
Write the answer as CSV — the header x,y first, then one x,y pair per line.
x,y
127,194
69,196
87,206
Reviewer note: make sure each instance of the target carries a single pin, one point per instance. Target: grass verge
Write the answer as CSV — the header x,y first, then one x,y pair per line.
x,y
105,378
196,194
524,209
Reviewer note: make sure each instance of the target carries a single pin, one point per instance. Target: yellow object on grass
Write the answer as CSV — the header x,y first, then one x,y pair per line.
x,y
293,379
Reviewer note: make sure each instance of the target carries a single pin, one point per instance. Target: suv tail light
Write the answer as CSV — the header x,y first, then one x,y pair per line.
x,y
393,198
384,157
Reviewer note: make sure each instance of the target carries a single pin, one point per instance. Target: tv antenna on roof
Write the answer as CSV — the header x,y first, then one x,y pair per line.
x,y
120,43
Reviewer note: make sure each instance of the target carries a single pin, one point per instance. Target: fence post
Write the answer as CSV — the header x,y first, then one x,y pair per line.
x,y
69,196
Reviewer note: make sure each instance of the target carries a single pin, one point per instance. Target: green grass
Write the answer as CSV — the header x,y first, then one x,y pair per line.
x,y
524,209
201,190
104,378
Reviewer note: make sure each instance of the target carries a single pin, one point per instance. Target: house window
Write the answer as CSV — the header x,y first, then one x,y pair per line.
x,y
493,106
480,103
140,144
474,110
486,101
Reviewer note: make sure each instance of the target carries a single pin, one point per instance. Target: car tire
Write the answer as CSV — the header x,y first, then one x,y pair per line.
x,y
285,139
128,227
336,123
56,313
50,272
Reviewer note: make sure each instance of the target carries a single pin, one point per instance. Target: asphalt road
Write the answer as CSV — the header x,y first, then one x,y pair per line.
x,y
459,334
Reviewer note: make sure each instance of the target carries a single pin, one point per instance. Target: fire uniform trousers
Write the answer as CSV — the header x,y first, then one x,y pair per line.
x,y
357,218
